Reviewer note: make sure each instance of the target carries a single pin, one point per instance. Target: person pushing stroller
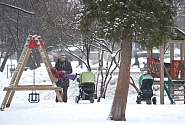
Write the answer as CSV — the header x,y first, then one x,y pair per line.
x,y
64,66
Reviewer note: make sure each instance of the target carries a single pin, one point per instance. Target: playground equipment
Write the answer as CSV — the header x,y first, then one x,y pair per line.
x,y
32,42
34,97
171,80
11,69
175,88
172,88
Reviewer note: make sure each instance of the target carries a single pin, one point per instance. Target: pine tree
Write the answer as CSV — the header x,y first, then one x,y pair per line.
x,y
148,22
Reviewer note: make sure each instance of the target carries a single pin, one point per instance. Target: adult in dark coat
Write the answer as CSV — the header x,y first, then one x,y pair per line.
x,y
63,65
136,61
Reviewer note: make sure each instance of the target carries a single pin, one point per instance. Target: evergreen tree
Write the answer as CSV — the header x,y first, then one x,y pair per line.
x,y
148,22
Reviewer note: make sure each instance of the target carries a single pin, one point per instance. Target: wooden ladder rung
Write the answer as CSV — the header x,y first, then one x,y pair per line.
x,y
177,85
179,99
178,94
178,90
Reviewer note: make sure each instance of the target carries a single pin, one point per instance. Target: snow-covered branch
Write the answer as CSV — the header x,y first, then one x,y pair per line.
x,y
18,8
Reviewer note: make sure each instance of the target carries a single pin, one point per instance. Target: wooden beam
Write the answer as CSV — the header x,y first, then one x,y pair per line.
x,y
35,85
184,61
59,95
20,71
176,41
171,52
162,74
181,59
171,58
30,88
148,53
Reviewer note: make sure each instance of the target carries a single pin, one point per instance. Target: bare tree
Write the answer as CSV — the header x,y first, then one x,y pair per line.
x,y
17,25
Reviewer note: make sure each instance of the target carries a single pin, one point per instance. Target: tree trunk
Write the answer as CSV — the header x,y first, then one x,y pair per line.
x,y
4,63
5,60
120,98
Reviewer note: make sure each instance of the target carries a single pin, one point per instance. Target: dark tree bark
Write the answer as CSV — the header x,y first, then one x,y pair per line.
x,y
4,63
120,98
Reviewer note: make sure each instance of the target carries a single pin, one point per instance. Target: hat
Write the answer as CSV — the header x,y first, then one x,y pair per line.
x,y
62,55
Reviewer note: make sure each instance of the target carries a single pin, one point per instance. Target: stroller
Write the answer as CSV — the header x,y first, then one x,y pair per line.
x,y
146,92
86,87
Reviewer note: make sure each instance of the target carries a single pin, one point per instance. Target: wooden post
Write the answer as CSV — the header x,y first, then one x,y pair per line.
x,y
171,54
171,58
181,59
148,53
183,65
16,76
162,74
19,76
59,95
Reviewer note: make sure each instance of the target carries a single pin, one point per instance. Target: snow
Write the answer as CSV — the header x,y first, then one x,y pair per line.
x,y
48,112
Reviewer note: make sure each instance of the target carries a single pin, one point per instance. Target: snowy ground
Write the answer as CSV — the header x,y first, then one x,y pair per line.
x,y
48,112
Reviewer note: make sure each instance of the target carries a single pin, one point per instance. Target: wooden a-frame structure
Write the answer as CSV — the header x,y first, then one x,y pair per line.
x,y
31,43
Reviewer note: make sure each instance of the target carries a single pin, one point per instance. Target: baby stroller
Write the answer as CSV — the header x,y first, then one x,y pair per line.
x,y
146,92
86,87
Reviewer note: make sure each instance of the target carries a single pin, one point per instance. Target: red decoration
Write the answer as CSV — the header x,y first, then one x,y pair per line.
x,y
175,68
153,67
33,44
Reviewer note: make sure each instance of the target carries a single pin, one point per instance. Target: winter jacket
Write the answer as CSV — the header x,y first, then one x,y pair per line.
x,y
66,65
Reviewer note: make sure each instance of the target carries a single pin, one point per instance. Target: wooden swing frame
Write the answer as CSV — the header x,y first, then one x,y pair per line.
x,y
31,42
